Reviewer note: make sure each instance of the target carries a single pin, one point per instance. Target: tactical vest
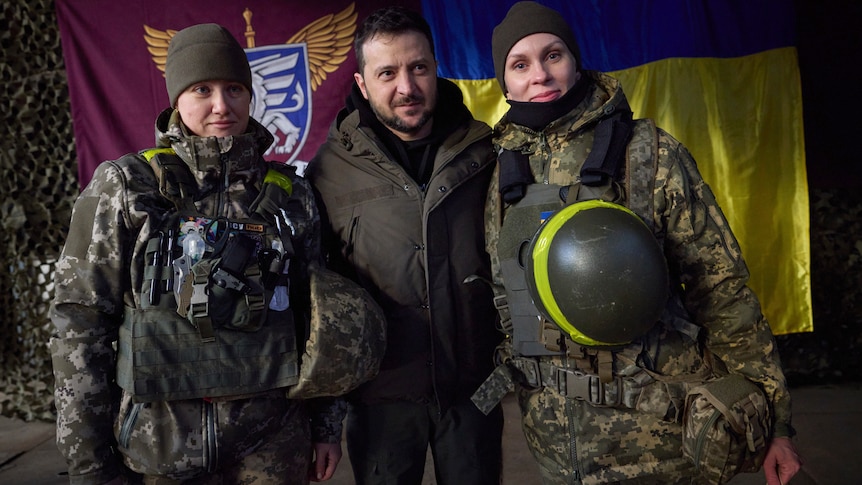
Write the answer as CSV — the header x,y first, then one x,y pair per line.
x,y
725,419
205,327
226,326
532,336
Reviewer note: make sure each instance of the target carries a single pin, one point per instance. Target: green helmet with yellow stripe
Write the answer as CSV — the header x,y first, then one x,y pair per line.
x,y
597,271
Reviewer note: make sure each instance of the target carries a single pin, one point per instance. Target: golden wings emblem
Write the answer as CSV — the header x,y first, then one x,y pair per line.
x,y
328,41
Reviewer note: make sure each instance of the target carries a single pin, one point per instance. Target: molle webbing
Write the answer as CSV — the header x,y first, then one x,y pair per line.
x,y
162,357
211,334
522,219
515,305
643,391
529,338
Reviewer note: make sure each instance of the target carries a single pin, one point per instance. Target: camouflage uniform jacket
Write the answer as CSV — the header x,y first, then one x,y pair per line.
x,y
413,250
704,258
99,276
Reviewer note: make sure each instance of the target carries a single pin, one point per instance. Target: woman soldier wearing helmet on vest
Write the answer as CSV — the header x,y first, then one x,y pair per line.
x,y
172,364
603,384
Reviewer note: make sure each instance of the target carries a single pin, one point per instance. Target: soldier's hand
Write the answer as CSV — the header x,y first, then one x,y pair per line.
x,y
326,458
782,461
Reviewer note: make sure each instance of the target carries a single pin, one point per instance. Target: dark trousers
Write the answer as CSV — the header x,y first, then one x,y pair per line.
x,y
388,443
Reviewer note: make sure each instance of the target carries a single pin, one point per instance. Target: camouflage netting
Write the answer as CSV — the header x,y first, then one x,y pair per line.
x,y
39,184
834,351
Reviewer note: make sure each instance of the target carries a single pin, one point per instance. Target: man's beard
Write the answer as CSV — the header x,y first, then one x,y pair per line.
x,y
396,123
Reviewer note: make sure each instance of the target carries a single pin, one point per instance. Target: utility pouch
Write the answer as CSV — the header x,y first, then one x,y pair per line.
x,y
227,290
726,428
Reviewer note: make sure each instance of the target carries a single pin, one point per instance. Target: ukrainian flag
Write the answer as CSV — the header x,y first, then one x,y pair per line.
x,y
721,76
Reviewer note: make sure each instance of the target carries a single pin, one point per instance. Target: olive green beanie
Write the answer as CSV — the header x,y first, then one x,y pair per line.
x,y
523,19
204,52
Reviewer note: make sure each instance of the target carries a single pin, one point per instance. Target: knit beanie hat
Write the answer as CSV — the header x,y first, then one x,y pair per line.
x,y
523,19
204,52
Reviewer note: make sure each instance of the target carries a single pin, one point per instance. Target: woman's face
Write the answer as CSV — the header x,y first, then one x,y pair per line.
x,y
215,108
539,68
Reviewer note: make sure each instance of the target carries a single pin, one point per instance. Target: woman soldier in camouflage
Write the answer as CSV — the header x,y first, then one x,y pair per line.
x,y
172,361
600,403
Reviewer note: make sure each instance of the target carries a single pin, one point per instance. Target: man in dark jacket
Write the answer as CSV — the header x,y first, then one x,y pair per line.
x,y
402,177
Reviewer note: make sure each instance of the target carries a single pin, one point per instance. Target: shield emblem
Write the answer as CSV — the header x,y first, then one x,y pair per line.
x,y
281,100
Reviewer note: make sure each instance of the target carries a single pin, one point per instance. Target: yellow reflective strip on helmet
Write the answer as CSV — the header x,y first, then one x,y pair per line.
x,y
541,249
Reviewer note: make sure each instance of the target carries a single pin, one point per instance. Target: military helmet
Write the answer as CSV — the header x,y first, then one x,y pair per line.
x,y
596,270
346,341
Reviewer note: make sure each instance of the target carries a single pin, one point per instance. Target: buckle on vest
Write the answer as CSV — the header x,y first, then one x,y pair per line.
x,y
199,308
501,303
588,387
228,281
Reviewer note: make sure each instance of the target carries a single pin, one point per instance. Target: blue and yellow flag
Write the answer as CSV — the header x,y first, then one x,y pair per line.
x,y
722,77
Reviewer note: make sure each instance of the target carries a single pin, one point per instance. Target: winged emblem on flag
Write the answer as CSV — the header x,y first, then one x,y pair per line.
x,y
283,75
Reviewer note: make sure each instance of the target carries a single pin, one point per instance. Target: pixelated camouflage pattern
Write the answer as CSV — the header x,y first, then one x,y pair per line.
x,y
579,443
726,414
196,439
347,338
574,442
100,274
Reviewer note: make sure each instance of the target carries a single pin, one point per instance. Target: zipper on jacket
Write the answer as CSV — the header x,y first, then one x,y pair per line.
x,y
210,447
573,451
128,424
546,167
221,197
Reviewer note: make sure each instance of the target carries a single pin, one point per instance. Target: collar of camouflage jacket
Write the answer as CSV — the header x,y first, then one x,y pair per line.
x,y
206,154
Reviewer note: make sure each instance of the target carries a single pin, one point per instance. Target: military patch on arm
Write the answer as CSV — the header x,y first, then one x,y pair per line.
x,y
83,218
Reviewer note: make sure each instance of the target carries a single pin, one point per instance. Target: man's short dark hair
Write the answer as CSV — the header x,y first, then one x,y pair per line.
x,y
389,21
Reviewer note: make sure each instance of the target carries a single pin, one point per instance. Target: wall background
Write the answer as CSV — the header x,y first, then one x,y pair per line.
x,y
38,186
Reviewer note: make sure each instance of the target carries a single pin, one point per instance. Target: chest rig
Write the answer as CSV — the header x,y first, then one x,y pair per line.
x,y
535,347
618,148
214,318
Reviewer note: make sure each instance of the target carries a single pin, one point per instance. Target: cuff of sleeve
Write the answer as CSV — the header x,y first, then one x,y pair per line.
x,y
783,430
325,433
327,415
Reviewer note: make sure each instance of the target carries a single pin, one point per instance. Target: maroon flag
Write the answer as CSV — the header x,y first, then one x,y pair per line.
x,y
301,55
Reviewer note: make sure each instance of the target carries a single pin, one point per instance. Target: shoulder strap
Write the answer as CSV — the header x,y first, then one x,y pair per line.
x,y
611,136
176,182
